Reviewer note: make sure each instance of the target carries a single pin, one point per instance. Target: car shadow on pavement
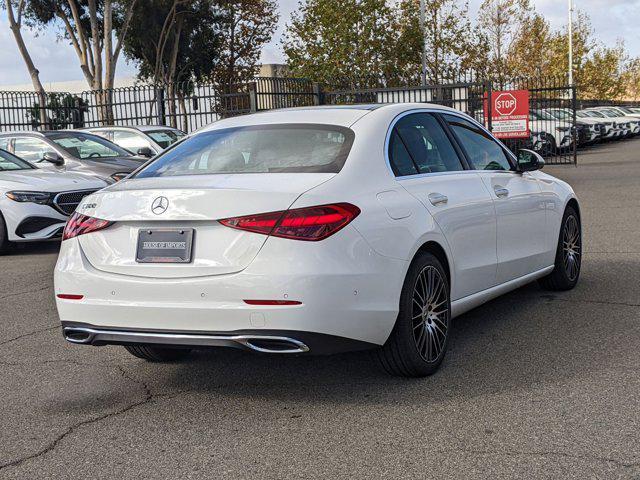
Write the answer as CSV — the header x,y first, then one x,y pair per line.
x,y
524,338
35,248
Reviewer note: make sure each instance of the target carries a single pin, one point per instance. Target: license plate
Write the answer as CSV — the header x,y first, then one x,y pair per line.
x,y
165,245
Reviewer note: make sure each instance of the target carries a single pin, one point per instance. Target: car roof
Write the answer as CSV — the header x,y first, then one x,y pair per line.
x,y
340,115
141,128
33,133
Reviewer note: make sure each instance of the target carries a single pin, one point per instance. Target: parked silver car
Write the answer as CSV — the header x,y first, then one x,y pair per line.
x,y
144,140
74,151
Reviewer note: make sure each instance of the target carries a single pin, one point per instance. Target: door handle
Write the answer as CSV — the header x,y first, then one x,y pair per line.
x,y
438,199
501,192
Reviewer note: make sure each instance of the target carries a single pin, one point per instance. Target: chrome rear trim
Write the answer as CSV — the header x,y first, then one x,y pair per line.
x,y
256,343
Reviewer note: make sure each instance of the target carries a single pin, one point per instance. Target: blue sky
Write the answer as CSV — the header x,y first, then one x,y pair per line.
x,y
612,20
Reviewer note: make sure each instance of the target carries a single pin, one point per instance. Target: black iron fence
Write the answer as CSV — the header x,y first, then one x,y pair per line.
x,y
555,130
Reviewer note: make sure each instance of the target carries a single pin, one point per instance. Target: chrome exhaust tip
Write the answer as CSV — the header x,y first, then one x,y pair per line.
x,y
78,335
274,344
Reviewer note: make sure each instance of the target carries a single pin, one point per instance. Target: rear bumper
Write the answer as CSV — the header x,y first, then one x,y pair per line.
x,y
348,294
260,341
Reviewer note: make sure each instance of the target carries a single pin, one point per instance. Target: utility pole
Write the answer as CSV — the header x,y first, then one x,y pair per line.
x,y
423,76
570,31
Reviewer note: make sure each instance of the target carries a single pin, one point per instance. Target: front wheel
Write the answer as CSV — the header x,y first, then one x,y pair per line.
x,y
418,342
566,271
158,354
4,243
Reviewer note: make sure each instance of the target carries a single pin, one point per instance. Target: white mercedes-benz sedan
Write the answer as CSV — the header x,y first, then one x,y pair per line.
x,y
35,204
315,230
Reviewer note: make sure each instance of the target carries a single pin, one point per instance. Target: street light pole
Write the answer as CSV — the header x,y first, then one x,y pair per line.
x,y
423,75
570,31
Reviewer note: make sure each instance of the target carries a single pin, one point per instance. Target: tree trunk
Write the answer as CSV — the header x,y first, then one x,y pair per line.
x,y
183,110
34,73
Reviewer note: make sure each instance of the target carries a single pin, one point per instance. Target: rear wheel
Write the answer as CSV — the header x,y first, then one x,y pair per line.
x,y
566,272
158,354
418,342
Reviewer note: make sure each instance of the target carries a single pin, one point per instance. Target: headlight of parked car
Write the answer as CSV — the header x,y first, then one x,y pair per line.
x,y
41,198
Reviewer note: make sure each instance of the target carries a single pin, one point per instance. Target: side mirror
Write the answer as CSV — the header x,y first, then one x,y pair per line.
x,y
145,152
53,157
528,160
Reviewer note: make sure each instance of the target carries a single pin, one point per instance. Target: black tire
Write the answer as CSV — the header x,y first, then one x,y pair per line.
x,y
4,243
419,339
568,261
158,354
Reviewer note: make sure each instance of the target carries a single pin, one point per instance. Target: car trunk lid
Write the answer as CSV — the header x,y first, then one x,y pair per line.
x,y
187,202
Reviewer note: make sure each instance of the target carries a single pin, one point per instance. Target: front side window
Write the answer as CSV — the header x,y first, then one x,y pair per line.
x,y
30,148
11,162
419,144
87,147
483,151
290,148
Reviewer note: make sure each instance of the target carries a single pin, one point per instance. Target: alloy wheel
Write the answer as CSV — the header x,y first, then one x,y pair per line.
x,y
571,247
430,313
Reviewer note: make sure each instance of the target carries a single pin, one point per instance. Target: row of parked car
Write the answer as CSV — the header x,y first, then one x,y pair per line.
x,y
44,175
552,129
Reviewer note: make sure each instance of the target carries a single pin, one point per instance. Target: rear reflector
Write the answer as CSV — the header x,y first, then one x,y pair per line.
x,y
70,296
272,302
80,224
309,223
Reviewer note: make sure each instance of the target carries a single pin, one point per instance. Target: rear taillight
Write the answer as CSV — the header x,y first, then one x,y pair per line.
x,y
80,224
309,223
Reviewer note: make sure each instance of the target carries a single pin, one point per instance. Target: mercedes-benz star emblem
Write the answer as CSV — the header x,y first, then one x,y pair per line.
x,y
160,205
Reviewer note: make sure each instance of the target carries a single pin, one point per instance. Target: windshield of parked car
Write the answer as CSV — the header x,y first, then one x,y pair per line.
x,y
85,146
625,110
165,138
562,114
593,113
610,113
290,148
9,161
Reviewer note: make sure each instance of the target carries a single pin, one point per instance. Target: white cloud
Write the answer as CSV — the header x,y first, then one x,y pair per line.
x,y
612,20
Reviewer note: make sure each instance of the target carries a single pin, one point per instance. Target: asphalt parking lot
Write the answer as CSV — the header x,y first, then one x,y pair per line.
x,y
535,385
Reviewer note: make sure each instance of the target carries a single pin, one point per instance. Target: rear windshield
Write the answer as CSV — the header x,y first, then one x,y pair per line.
x,y
290,148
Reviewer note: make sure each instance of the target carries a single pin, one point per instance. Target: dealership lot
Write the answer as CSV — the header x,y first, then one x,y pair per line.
x,y
534,385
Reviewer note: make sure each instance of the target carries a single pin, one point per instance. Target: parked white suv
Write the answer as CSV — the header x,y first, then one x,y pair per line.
x,y
34,203
630,125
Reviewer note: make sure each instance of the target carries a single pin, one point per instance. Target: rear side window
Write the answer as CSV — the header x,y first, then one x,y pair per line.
x,y
483,151
419,144
289,148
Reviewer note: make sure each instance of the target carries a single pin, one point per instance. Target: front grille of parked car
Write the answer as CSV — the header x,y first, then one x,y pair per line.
x,y
66,202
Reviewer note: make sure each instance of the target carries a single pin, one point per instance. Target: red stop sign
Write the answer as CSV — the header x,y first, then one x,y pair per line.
x,y
505,104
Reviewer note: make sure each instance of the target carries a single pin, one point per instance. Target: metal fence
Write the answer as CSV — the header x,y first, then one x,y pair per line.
x,y
191,105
